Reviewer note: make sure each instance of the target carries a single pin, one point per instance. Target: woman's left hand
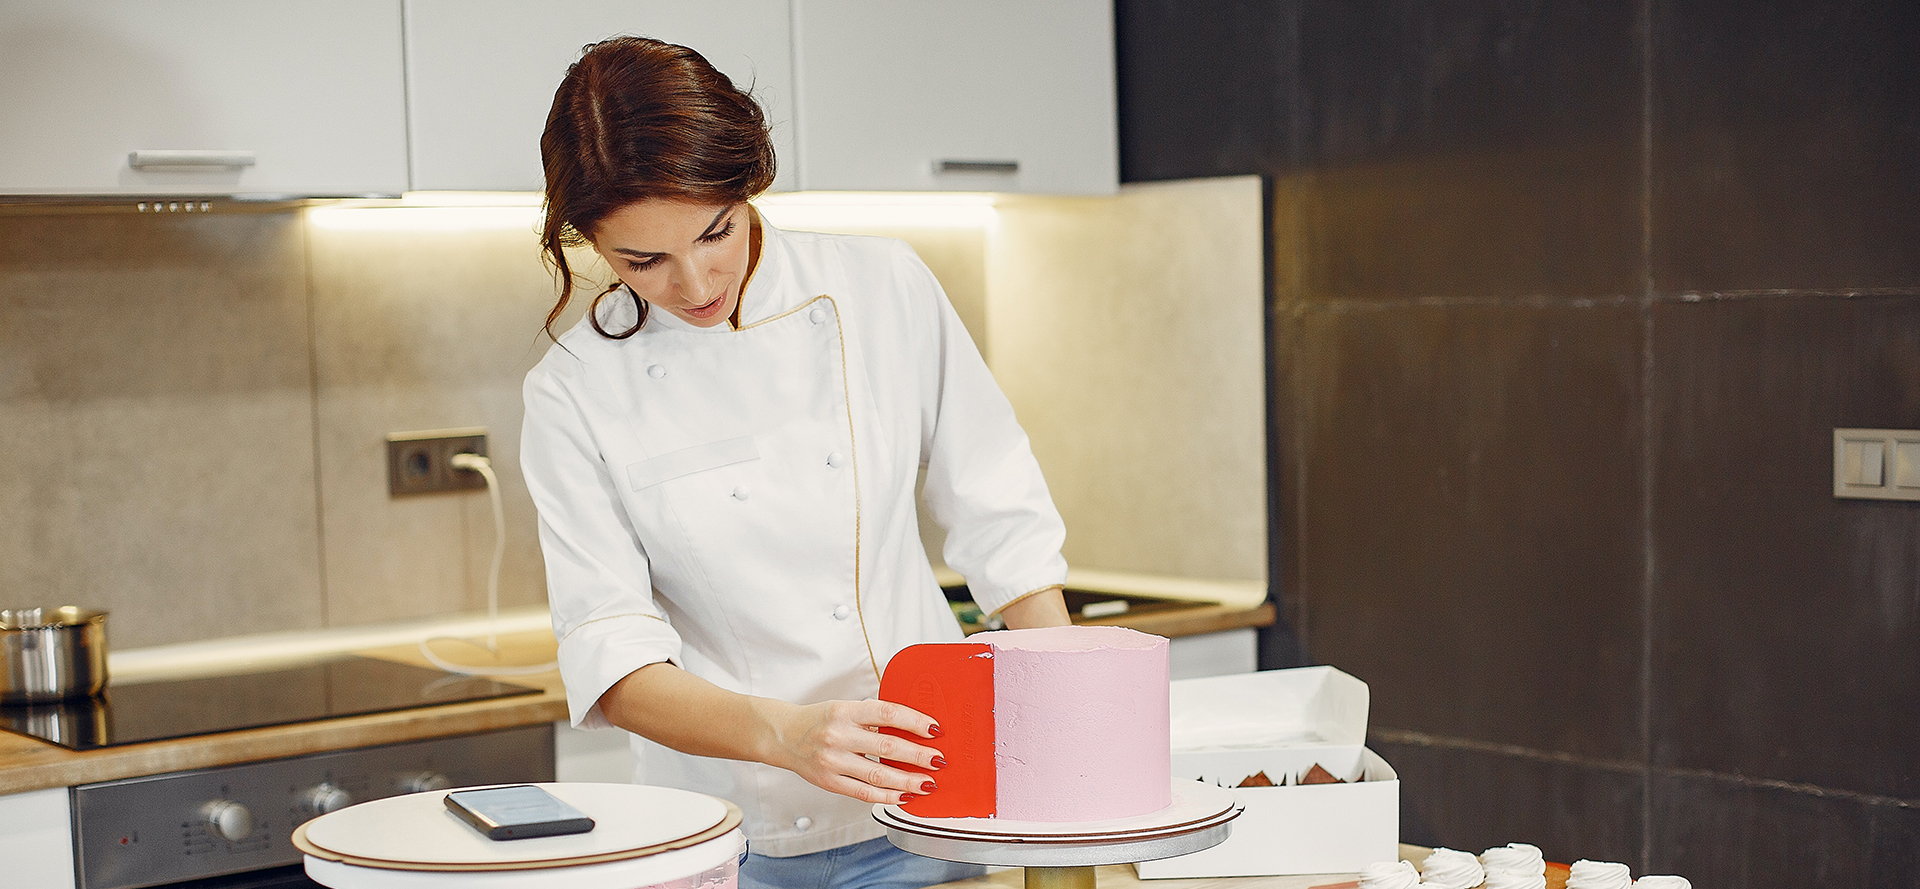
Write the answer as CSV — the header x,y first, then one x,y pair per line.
x,y
830,743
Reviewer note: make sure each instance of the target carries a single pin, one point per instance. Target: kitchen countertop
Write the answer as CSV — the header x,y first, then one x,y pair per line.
x,y
1193,621
29,764
1231,604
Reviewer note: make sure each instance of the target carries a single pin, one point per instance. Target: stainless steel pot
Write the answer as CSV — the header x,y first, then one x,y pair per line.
x,y
50,654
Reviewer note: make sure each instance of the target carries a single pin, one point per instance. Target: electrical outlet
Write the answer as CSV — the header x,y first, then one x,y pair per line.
x,y
421,462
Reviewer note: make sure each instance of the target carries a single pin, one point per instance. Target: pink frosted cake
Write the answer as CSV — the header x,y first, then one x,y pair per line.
x,y
1056,724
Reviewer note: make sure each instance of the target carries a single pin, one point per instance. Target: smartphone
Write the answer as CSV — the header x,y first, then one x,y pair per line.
x,y
517,812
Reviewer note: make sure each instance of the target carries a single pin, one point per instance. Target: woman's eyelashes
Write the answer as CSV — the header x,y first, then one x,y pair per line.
x,y
709,238
720,235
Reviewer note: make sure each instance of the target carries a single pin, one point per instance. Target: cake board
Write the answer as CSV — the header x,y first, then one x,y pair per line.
x,y
1062,855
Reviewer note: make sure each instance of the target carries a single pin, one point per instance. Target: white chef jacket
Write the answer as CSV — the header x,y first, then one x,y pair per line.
x,y
741,502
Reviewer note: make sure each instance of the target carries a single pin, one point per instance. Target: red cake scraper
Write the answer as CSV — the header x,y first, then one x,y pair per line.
x,y
952,682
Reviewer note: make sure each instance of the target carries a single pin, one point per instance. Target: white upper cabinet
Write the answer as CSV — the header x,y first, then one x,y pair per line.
x,y
201,97
937,95
481,74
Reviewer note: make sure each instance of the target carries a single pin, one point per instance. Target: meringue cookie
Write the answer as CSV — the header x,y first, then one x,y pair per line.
x,y
1452,869
1599,875
1390,875
1662,882
1519,857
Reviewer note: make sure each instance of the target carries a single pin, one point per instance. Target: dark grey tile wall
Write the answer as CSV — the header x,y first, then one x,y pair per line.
x,y
1475,799
1567,298
1767,837
1786,150
1217,99
1470,149
1438,558
1786,622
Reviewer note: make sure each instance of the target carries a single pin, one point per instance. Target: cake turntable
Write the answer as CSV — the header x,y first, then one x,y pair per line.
x,y
649,837
1062,855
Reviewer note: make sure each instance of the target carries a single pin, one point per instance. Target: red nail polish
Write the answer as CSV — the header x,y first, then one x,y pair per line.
x,y
906,798
933,731
927,787
939,762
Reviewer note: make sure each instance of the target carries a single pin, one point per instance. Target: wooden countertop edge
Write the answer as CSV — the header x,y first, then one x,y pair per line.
x,y
1191,622
36,765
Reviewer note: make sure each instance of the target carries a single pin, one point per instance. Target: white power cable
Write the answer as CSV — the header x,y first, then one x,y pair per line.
x,y
484,466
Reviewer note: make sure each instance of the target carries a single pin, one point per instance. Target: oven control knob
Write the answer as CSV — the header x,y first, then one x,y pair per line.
x,y
327,798
228,820
421,782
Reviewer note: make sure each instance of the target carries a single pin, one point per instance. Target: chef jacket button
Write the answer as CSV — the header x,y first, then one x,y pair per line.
x,y
835,461
802,823
741,493
842,612
818,315
657,371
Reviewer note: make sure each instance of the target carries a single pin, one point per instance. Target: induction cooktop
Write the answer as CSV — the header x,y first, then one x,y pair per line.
x,y
181,708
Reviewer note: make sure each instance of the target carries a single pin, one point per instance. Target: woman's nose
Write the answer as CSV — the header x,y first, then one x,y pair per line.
x,y
689,282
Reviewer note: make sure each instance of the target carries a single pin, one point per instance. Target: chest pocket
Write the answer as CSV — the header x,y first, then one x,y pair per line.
x,y
687,461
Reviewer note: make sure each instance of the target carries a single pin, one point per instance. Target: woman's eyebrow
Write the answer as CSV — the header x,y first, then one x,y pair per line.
x,y
709,230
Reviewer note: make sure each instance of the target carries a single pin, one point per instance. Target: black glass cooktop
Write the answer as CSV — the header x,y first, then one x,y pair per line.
x,y
180,708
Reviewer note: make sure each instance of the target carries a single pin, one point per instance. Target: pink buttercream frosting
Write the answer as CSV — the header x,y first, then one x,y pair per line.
x,y
1080,723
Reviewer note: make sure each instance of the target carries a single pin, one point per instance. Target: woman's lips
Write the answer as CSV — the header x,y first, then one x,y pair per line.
x,y
708,310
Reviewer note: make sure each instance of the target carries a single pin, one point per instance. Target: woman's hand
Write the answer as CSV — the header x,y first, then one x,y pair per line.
x,y
830,745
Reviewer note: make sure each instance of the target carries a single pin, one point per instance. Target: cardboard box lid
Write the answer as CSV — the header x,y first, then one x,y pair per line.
x,y
1299,707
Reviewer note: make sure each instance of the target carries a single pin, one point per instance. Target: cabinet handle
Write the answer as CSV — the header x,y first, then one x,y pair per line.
x,y
140,160
959,166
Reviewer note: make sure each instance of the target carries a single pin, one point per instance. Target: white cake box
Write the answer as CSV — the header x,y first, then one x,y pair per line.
x,y
1283,723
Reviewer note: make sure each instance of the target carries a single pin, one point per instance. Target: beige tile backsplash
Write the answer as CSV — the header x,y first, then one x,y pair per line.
x,y
156,423
1128,334
418,330
193,410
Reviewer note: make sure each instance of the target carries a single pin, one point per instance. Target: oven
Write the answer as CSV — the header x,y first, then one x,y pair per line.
x,y
231,826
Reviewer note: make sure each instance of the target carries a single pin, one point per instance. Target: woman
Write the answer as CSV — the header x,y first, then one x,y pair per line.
x,y
724,453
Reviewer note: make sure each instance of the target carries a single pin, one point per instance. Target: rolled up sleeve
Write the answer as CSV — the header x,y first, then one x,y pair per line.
x,y
599,588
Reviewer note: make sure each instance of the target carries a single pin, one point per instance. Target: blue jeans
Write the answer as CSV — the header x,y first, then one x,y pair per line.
x,y
874,864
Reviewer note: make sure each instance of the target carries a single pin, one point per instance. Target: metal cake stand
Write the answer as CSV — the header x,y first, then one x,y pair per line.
x,y
1060,855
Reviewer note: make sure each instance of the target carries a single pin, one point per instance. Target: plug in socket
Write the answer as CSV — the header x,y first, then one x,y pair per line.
x,y
421,462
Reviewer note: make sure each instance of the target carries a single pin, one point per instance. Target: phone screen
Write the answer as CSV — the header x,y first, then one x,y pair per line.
x,y
517,812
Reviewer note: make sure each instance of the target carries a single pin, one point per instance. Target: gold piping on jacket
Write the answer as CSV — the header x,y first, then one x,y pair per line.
x,y
853,455
1027,595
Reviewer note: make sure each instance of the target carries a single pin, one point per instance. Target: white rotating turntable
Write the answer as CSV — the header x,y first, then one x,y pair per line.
x,y
1062,855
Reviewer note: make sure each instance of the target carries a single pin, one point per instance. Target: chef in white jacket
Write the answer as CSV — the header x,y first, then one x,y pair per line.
x,y
724,454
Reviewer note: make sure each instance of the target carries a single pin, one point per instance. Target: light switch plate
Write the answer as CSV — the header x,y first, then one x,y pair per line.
x,y
1876,464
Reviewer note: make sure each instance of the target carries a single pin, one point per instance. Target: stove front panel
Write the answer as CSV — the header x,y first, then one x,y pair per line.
x,y
163,829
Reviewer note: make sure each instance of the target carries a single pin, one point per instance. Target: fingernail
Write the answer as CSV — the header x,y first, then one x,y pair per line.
x,y
906,798
933,731
939,762
927,787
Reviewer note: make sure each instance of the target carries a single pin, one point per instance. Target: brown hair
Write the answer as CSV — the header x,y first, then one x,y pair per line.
x,y
637,118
